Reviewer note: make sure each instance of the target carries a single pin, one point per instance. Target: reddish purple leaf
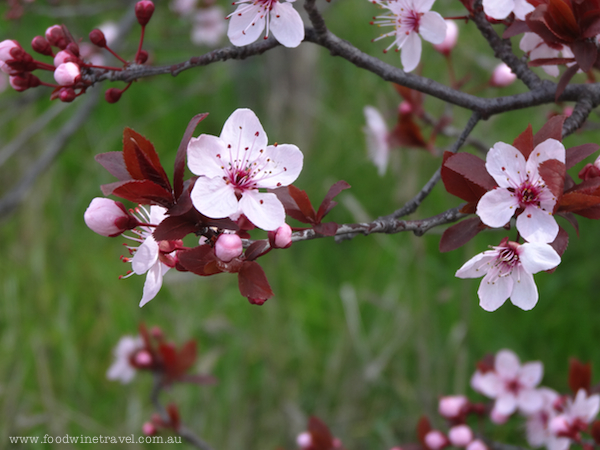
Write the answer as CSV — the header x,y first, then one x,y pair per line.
x,y
320,434
256,249
139,191
580,375
595,432
560,244
303,203
552,129
291,207
564,80
585,53
326,229
186,357
253,282
459,234
553,173
175,227
465,176
327,203
524,142
131,140
182,152
550,62
423,427
570,217
579,153
115,164
149,172
577,201
196,259
516,28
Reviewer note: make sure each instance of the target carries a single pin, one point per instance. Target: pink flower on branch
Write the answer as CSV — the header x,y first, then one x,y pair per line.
x,y
501,9
411,18
235,165
507,271
251,17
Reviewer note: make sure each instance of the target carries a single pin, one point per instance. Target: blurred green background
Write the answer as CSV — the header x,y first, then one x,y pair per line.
x,y
365,334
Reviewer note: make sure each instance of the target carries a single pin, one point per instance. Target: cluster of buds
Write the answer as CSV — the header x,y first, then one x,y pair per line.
x,y
73,75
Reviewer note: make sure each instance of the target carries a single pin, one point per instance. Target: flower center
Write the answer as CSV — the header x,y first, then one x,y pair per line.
x,y
528,194
408,20
513,386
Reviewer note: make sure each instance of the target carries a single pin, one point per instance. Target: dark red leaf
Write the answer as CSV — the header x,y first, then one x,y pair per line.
x,y
407,133
576,201
326,229
256,249
515,28
592,28
133,140
184,201
524,142
168,354
327,204
551,130
579,153
585,54
303,203
196,259
182,151
173,413
149,172
570,217
175,227
186,357
115,164
320,434
139,191
553,173
560,244
465,176
423,427
580,375
459,234
596,431
549,62
253,282
564,80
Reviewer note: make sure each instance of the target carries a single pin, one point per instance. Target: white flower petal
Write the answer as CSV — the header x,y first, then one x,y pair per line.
x,y
377,143
411,52
477,266
488,384
145,256
506,405
214,198
507,364
242,131
283,162
247,26
432,27
525,293
531,374
286,25
202,156
536,257
153,283
549,149
522,8
506,165
492,295
263,210
423,6
498,9
537,225
496,207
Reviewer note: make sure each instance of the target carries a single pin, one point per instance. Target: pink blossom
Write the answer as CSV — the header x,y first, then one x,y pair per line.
x,y
377,138
477,445
183,7
450,40
208,27
507,271
537,426
234,166
500,9
122,369
6,47
502,76
304,440
108,218
252,16
228,246
436,440
67,74
536,48
452,406
411,18
521,187
460,435
513,385
577,414
148,429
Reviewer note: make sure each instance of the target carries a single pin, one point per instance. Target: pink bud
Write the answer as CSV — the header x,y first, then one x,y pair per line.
x,y
568,110
73,47
257,301
282,237
67,74
304,440
113,95
6,47
502,76
143,11
228,246
56,37
449,41
40,45
64,56
460,435
23,81
67,95
477,445
405,108
142,57
452,406
436,440
157,333
498,418
108,218
97,38
559,426
149,429
143,358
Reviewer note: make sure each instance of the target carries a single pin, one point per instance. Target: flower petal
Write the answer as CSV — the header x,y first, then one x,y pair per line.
x,y
432,27
522,8
506,165
153,282
506,405
492,295
245,134
246,27
531,374
286,25
263,209
477,266
498,9
214,198
536,257
202,156
496,207
145,256
507,364
537,225
525,293
282,165
549,149
377,142
411,52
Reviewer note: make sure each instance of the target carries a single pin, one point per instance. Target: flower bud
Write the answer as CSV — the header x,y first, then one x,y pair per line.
x,y
73,47
452,406
142,57
477,445
23,81
97,38
67,94
228,246
450,40
56,37
282,237
64,56
143,11
67,74
142,359
149,429
304,440
40,45
108,218
502,76
257,301
6,48
460,435
559,426
113,95
405,107
436,440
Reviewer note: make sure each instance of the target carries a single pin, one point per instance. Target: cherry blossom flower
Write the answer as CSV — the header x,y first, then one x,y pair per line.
x,y
378,144
248,21
122,369
500,9
537,429
507,271
151,257
449,42
537,48
513,385
453,406
460,435
521,187
208,27
235,165
411,18
578,413
502,76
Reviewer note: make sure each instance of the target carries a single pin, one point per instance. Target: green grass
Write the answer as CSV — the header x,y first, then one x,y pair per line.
x,y
365,334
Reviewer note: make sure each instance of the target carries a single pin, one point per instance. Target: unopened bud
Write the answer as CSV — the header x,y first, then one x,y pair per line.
x,y
477,445
67,95
304,440
67,74
450,40
97,38
405,108
559,426
502,76
23,81
149,429
452,406
6,49
157,333
436,440
257,301
228,246
108,218
56,37
460,435
113,95
142,57
143,359
40,45
282,237
143,11
73,48
65,56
